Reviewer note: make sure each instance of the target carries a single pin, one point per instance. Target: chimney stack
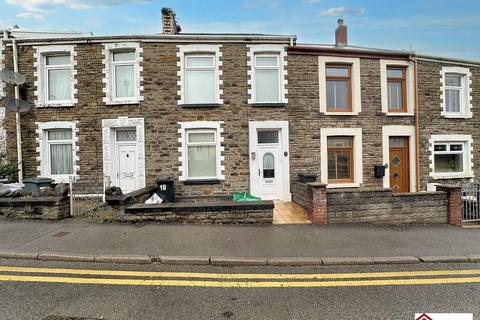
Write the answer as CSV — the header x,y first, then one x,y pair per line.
x,y
169,22
341,34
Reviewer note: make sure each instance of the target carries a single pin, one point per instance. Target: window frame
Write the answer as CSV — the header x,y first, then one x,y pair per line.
x,y
466,141
114,64
200,144
351,161
348,108
276,67
448,152
47,68
213,69
465,95
43,150
201,126
403,82
461,90
49,142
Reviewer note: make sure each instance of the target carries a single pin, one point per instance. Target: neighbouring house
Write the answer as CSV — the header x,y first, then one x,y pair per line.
x,y
225,113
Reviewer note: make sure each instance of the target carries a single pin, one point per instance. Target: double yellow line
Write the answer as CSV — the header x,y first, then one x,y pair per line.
x,y
236,280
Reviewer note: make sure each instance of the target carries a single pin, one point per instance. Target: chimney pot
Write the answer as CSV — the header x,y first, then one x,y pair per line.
x,y
169,22
341,34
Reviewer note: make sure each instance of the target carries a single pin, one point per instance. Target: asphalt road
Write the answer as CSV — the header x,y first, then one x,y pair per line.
x,y
196,293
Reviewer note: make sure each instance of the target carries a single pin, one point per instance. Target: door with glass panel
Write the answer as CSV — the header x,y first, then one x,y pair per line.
x,y
126,148
269,173
399,164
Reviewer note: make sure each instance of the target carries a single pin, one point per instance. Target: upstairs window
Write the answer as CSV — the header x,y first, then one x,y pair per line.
x,y
200,82
396,89
267,78
58,78
124,81
340,159
456,92
454,101
338,88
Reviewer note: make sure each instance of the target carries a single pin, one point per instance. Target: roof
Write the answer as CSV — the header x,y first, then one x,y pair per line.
x,y
348,50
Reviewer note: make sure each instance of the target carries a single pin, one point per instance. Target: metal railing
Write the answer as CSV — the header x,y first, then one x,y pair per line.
x,y
471,202
85,198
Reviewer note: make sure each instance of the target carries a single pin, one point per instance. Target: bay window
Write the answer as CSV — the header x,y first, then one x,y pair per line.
x,y
267,78
200,79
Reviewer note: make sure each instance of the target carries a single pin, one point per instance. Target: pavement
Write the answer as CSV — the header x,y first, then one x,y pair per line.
x,y
300,245
46,290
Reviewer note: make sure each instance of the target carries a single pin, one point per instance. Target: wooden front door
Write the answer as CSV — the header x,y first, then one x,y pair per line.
x,y
399,164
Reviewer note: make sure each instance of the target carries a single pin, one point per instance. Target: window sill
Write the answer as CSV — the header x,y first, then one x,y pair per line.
x,y
399,114
202,181
340,113
456,116
56,105
200,105
268,105
451,176
116,103
343,185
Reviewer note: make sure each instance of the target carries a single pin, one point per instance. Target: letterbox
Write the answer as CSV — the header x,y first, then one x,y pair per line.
x,y
379,171
165,189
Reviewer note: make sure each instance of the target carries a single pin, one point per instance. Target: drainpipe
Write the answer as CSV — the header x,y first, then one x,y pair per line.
x,y
417,128
17,116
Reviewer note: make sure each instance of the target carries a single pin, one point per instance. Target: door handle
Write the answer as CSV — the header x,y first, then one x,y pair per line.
x,y
259,173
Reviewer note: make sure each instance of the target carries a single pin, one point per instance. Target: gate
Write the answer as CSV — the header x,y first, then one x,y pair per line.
x,y
85,199
471,202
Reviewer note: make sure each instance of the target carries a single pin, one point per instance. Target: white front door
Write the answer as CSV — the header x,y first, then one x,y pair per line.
x,y
126,158
269,172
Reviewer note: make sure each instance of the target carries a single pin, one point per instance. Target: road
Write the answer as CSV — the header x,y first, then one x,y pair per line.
x,y
39,290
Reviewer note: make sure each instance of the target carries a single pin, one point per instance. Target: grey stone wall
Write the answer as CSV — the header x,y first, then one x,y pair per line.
x,y
383,207
299,193
44,208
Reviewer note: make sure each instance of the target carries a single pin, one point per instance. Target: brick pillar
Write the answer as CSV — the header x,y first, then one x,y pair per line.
x,y
317,202
454,196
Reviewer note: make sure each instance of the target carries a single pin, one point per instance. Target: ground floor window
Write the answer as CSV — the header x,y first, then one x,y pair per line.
x,y
340,159
451,156
57,149
201,151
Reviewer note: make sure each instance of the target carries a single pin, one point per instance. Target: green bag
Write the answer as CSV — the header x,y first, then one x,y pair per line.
x,y
244,196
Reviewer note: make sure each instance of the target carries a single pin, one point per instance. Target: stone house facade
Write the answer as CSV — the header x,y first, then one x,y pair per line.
x,y
222,114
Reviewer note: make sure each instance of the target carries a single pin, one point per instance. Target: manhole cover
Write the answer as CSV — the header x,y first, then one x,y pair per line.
x,y
60,234
68,318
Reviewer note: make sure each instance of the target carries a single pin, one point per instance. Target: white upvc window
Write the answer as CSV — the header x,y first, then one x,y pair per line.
x,y
199,73
267,74
55,76
201,151
123,68
451,156
456,92
57,150
267,78
200,78
58,75
122,73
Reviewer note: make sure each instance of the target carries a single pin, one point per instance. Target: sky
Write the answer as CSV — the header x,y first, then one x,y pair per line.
x,y
434,27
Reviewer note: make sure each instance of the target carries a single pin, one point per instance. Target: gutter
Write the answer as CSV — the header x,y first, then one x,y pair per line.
x,y
359,53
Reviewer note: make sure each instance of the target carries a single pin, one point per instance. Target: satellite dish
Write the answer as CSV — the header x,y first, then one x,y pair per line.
x,y
12,77
16,105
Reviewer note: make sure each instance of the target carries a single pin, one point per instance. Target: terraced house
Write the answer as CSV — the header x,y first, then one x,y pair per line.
x,y
225,113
